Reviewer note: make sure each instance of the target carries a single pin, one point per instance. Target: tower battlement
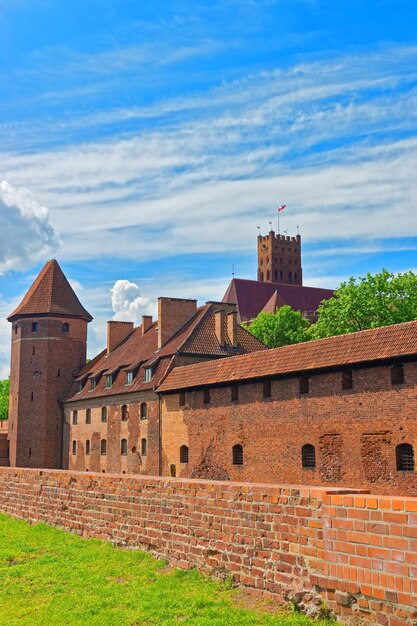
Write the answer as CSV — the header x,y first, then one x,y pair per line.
x,y
279,259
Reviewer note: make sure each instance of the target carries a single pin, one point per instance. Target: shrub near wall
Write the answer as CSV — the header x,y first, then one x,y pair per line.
x,y
275,540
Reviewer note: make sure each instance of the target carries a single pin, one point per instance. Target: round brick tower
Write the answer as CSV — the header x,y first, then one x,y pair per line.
x,y
49,342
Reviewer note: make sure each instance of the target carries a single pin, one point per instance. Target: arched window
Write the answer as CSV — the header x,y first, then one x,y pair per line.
x,y
261,277
289,276
308,456
237,454
87,447
405,457
143,447
74,447
65,328
103,447
74,417
123,447
124,413
143,411
184,454
88,416
267,274
104,414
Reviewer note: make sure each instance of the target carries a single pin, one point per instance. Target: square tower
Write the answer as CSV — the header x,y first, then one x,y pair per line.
x,y
279,259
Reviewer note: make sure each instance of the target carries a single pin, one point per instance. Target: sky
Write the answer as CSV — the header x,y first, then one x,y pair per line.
x,y
142,143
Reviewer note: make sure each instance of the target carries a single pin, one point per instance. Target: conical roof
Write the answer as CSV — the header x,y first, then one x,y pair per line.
x,y
51,294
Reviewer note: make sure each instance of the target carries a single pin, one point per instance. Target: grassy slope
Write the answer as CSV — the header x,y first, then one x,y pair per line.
x,y
49,577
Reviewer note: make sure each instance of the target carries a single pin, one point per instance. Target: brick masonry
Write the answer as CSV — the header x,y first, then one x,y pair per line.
x,y
358,550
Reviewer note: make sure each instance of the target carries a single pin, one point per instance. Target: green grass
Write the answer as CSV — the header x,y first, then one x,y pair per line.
x,y
50,577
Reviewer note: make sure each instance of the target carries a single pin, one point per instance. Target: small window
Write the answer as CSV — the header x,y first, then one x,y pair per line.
x,y
35,327
129,378
347,379
266,389
74,417
79,386
295,276
184,454
93,384
405,457
181,398
74,447
65,328
143,411
308,456
104,414
123,447
109,382
237,454
31,396
397,375
173,470
289,276
103,447
88,416
87,447
143,447
124,413
33,351
206,396
148,374
234,393
304,385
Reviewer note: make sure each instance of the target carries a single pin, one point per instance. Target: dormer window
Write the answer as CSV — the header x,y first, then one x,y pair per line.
x,y
79,386
109,381
129,378
148,374
93,384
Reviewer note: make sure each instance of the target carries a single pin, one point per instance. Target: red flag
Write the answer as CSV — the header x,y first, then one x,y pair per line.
x,y
281,208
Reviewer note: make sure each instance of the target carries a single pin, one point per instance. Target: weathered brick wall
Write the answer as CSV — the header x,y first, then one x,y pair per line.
x,y
275,540
355,432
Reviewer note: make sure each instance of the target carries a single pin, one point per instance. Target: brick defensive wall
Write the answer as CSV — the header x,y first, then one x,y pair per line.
x,y
358,551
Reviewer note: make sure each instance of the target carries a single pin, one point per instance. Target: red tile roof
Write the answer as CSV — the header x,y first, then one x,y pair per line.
x,y
139,351
51,294
251,296
378,344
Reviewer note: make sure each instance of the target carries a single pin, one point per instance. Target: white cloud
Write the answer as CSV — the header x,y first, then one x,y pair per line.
x,y
26,234
128,304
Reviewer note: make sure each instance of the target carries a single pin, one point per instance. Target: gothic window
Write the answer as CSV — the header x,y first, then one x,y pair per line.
x,y
280,274
124,413
304,385
143,447
289,276
143,411
405,457
103,447
267,274
237,454
88,416
308,456
104,414
74,447
295,275
87,447
123,447
74,417
184,454
397,375
261,277
347,380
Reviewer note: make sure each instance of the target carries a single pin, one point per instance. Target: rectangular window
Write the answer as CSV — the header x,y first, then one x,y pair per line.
x,y
181,398
304,385
74,417
35,327
79,387
206,396
109,382
88,416
129,378
397,375
267,389
93,384
148,374
347,380
234,393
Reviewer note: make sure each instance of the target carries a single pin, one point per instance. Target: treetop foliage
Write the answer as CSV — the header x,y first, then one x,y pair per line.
x,y
4,398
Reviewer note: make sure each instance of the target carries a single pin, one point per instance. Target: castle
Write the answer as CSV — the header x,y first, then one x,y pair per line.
x,y
194,394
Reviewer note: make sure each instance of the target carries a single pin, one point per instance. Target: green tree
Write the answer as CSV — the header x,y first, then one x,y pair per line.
x,y
4,398
368,302
281,328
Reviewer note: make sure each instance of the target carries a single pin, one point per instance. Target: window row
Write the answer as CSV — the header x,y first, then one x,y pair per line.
x,y
103,447
143,413
404,456
346,383
110,379
35,327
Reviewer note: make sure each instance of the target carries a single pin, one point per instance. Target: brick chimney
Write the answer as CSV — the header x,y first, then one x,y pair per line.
x,y
116,332
172,314
146,323
219,327
232,328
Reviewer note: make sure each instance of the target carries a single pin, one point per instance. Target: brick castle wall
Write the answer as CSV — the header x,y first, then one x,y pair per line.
x,y
355,432
359,550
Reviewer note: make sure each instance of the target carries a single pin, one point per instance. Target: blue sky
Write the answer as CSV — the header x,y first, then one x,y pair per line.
x,y
141,143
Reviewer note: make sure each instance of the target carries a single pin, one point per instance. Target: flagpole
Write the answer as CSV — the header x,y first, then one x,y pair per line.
x,y
279,231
